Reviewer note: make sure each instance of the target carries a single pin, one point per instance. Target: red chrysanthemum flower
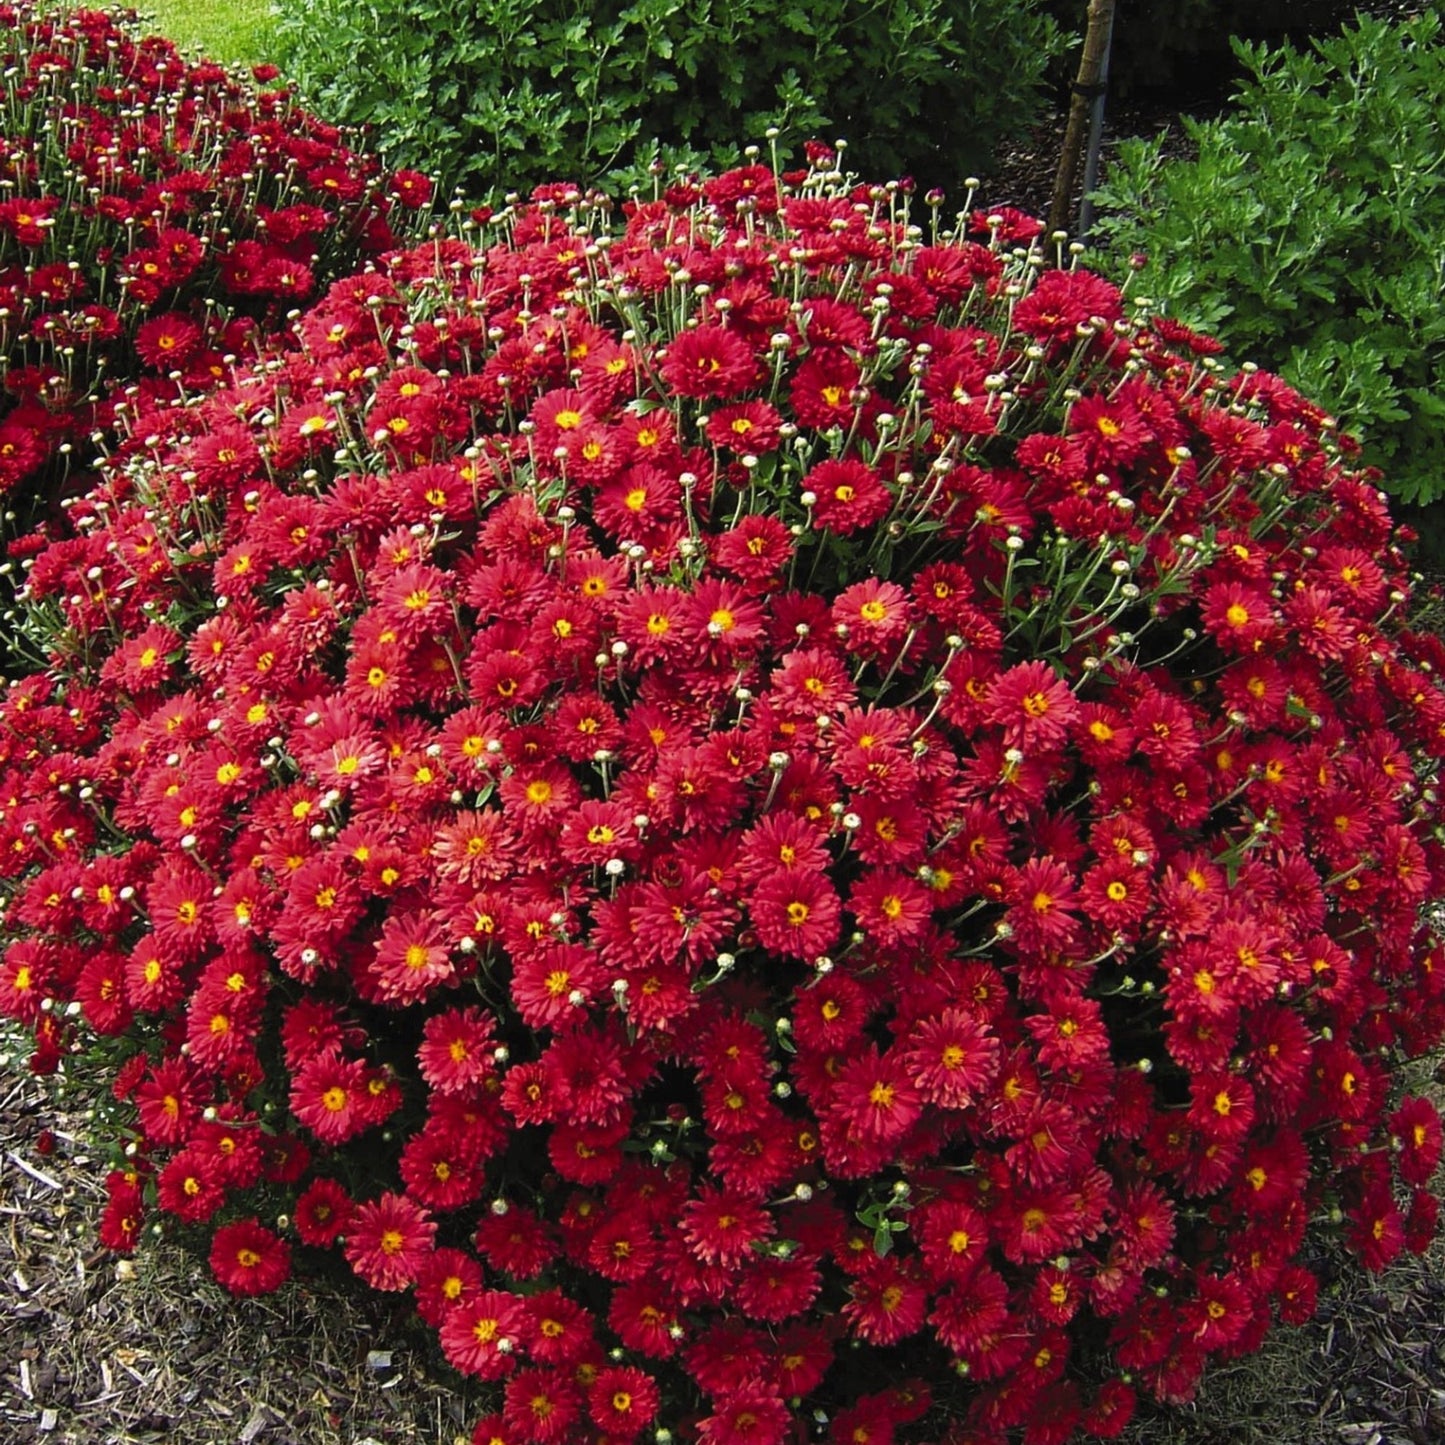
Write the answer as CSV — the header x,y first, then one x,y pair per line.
x,y
413,958
456,1052
323,1212
964,1316
154,978
538,795
872,617
1070,1033
1115,894
124,1212
874,1097
796,914
1377,1230
1039,1223
180,917
388,1241
1113,433
1416,1125
515,1242
757,549
440,1172
248,1259
1296,1294
449,1277
328,1097
952,1058
1144,1223
823,390
1054,1145
887,1302
1239,616
847,496
721,1227
1033,705
553,985
747,428
1042,898
1063,301
777,1289
559,1330
189,1189
169,340
100,992
623,1401
751,1415
1223,1106
1422,1223
543,1405
1221,1312
586,1068
808,682
708,361
481,1334
890,907
953,1238
169,1102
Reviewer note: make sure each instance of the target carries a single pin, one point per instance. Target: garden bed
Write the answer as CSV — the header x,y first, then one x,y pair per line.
x,y
151,1350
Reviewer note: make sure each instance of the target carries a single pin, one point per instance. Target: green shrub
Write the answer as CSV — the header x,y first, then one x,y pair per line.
x,y
1309,234
504,94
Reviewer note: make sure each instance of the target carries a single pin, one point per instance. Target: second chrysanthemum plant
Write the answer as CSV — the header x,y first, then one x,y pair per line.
x,y
784,812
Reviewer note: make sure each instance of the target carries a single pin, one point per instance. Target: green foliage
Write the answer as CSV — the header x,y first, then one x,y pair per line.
x,y
1309,234
497,95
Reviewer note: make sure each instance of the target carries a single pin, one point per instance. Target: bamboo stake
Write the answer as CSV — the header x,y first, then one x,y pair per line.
x,y
1088,86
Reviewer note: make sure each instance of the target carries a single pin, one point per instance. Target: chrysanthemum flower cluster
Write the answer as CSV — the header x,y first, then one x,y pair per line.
x,y
153,211
806,825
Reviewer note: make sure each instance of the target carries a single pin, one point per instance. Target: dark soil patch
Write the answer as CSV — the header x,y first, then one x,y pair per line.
x,y
1023,172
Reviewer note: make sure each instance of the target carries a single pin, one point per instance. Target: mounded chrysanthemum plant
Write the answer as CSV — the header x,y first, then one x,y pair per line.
x,y
807,824
156,214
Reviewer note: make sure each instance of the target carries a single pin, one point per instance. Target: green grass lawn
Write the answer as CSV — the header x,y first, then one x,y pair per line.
x,y
236,31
